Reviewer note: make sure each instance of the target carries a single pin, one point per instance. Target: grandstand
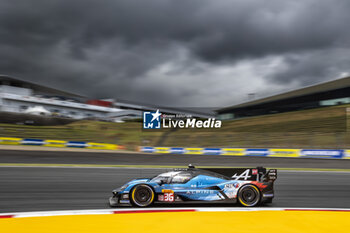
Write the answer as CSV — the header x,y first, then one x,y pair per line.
x,y
331,93
19,96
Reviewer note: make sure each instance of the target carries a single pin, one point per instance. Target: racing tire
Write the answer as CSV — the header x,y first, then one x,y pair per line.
x,y
249,195
142,195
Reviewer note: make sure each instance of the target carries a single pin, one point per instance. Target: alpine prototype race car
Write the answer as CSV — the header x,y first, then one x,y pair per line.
x,y
247,186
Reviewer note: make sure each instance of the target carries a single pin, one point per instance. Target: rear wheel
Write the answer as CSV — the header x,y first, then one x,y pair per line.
x,y
142,195
249,195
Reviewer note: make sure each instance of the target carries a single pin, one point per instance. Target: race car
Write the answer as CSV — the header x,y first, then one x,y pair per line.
x,y
247,186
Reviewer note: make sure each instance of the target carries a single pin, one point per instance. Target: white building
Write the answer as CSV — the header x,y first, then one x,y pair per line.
x,y
17,96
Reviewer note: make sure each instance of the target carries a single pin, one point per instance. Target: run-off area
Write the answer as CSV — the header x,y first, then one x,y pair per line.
x,y
186,221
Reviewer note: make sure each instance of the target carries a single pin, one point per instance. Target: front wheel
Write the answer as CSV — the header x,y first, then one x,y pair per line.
x,y
249,195
142,195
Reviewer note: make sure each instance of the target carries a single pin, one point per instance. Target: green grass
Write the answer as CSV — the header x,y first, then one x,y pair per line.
x,y
128,134
316,128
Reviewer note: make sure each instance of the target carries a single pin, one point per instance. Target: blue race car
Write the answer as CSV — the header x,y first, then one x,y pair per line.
x,y
247,186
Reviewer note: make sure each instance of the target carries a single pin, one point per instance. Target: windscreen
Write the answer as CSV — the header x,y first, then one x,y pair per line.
x,y
164,177
174,177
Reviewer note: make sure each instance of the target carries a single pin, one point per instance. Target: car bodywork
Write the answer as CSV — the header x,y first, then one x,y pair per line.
x,y
247,186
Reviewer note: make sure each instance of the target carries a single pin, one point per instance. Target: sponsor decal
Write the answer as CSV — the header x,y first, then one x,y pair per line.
x,y
194,151
76,144
10,141
148,149
244,175
169,197
212,151
347,154
104,146
272,174
167,191
284,152
55,143
177,150
322,153
124,201
157,120
34,142
164,150
256,152
232,185
193,192
260,185
230,194
232,151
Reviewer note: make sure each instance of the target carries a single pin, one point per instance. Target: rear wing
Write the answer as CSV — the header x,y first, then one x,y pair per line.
x,y
249,174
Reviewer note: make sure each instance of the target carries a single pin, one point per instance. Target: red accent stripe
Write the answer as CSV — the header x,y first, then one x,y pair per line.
x,y
150,211
317,210
6,216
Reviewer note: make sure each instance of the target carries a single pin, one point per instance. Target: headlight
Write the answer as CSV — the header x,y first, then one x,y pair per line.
x,y
123,187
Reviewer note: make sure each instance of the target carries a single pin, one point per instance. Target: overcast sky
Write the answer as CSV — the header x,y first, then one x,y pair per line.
x,y
200,53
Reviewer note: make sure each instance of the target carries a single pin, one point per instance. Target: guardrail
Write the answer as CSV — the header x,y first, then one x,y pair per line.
x,y
289,153
58,143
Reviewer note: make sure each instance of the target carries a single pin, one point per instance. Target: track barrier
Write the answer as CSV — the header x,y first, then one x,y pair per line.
x,y
59,143
263,152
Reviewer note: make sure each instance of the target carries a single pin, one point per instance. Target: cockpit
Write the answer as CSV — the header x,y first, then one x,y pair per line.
x,y
173,177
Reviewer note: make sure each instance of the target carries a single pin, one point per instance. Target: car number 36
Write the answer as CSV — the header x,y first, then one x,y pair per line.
x,y
168,197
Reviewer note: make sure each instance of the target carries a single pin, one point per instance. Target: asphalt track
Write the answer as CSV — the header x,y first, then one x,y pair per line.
x,y
42,188
66,188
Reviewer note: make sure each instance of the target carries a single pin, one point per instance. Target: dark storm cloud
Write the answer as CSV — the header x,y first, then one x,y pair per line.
x,y
270,27
314,66
179,52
